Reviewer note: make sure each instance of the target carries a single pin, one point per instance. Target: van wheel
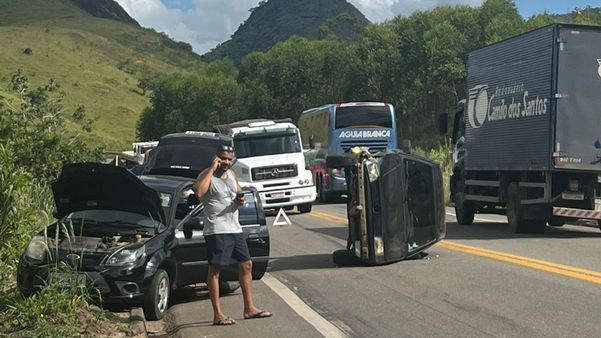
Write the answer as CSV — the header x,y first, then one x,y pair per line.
x,y
228,287
157,298
303,208
345,258
464,211
515,213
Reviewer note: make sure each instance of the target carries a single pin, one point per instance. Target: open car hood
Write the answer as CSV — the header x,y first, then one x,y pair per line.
x,y
86,186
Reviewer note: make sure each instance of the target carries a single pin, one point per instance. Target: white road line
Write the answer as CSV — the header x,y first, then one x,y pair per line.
x,y
315,319
480,218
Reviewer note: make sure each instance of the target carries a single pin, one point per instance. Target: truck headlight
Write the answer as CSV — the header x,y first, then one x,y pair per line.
x,y
126,256
37,248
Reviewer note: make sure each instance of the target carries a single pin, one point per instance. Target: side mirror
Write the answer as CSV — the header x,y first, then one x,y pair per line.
x,y
443,123
311,142
406,146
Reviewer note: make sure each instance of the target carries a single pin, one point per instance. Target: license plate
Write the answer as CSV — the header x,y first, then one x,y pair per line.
x,y
68,279
574,196
278,195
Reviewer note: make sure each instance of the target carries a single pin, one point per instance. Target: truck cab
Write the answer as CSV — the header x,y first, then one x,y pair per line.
x,y
269,157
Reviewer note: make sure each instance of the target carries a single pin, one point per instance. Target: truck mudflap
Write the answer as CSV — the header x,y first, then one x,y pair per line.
x,y
576,213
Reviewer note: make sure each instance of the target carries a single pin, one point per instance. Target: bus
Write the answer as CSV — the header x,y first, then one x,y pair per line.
x,y
333,129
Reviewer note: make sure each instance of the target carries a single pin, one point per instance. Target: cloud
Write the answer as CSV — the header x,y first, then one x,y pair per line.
x,y
202,23
206,23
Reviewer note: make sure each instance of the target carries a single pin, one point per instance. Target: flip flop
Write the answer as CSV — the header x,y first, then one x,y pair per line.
x,y
225,321
261,314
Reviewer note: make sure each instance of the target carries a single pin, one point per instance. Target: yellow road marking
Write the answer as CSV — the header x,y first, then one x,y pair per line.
x,y
559,269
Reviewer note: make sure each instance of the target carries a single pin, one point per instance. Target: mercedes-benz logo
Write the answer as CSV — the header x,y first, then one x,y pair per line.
x,y
275,172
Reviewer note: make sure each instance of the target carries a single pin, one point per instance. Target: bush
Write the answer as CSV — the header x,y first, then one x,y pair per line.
x,y
33,150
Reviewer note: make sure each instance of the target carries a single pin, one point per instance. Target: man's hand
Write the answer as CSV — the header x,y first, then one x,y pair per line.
x,y
240,200
216,163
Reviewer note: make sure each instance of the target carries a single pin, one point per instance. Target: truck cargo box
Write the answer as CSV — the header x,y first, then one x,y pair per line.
x,y
534,101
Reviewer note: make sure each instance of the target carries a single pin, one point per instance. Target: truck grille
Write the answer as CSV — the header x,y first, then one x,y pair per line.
x,y
374,146
273,172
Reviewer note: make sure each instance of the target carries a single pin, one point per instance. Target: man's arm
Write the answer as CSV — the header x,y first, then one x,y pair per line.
x,y
203,182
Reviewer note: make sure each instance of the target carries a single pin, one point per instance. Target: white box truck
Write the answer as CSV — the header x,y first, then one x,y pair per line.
x,y
269,157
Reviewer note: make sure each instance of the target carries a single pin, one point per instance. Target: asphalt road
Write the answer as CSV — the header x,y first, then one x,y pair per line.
x,y
482,280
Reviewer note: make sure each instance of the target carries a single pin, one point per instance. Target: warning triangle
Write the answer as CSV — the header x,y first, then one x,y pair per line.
x,y
280,214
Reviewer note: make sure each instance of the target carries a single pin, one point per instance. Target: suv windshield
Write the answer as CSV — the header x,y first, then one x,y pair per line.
x,y
363,117
266,144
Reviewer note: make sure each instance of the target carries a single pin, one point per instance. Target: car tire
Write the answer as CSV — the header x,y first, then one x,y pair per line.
x,y
345,258
157,298
304,208
228,287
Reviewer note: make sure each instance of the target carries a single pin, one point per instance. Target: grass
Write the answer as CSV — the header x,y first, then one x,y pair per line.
x,y
97,62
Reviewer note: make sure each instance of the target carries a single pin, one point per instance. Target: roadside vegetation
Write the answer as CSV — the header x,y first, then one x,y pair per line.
x,y
33,148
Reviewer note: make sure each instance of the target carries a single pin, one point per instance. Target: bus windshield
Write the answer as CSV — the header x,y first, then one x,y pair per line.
x,y
363,117
266,144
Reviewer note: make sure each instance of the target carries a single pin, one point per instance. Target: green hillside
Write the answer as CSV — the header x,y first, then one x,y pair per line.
x,y
275,21
96,61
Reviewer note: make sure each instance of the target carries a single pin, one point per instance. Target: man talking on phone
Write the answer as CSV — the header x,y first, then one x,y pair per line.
x,y
218,188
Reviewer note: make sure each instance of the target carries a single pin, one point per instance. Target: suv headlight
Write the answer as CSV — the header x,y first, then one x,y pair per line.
x,y
37,248
126,256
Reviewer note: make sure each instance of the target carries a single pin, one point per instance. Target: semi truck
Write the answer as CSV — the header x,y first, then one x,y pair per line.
x,y
527,138
269,157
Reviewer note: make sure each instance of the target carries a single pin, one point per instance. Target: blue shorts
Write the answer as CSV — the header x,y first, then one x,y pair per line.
x,y
225,249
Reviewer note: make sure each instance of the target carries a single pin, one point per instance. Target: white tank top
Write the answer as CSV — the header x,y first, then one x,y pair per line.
x,y
220,210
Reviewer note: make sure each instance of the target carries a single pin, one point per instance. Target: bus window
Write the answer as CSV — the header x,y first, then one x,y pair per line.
x,y
363,116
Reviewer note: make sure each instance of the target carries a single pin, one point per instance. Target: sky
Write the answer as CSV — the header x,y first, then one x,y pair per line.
x,y
206,23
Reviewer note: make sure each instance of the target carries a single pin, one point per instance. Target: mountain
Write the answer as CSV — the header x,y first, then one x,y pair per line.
x,y
108,9
96,53
274,21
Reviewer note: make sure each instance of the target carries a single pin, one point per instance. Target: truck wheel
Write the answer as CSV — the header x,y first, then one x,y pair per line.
x,y
321,193
345,258
228,287
464,211
304,208
556,222
157,298
515,213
